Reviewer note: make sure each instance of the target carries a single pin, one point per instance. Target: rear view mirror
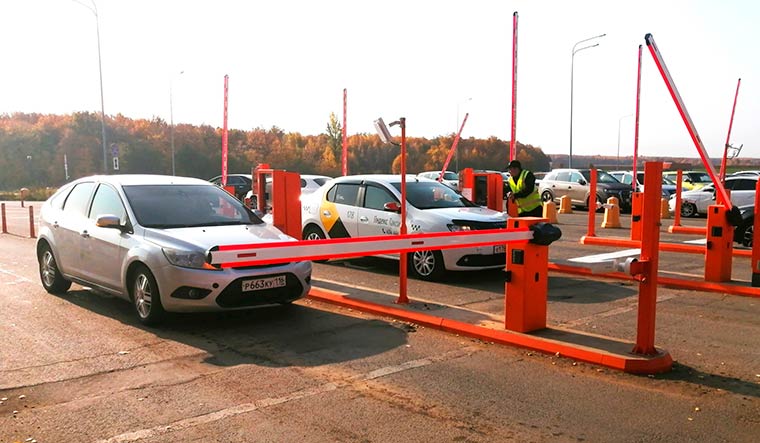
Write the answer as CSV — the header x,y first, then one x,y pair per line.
x,y
392,207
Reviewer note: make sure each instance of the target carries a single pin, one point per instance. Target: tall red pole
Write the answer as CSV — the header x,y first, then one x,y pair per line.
x,y
513,141
224,133
728,137
636,130
344,169
402,271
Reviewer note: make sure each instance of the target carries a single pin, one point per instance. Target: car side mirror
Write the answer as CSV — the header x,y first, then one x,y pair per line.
x,y
581,181
392,207
109,221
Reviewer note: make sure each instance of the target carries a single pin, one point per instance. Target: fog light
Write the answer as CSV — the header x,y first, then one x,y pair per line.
x,y
190,293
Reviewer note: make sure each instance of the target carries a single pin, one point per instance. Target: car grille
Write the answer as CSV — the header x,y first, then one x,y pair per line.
x,y
623,195
233,296
479,226
268,265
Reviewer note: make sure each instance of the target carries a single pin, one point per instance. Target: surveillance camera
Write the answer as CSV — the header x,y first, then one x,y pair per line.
x,y
382,131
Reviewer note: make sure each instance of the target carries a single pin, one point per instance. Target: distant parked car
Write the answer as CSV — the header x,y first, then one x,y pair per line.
x,y
450,179
626,177
575,184
693,203
309,184
691,179
241,182
147,239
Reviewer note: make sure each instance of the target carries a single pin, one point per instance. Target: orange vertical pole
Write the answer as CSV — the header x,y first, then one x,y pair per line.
x,y
31,222
649,258
592,204
527,285
720,245
637,206
679,187
402,271
467,184
2,213
755,240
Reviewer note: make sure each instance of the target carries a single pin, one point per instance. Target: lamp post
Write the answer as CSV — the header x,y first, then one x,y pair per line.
x,y
620,120
171,120
456,158
572,66
94,10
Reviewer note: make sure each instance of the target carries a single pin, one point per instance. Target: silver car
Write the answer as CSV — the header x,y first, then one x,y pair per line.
x,y
147,238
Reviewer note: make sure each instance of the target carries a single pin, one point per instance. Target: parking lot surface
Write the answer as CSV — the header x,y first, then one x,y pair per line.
x,y
80,368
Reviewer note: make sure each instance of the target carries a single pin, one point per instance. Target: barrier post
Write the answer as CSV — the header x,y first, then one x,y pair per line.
x,y
637,207
5,224
720,245
755,240
679,188
648,260
527,283
592,204
31,222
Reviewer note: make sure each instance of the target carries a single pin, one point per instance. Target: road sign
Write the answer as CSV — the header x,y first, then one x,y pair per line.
x,y
116,163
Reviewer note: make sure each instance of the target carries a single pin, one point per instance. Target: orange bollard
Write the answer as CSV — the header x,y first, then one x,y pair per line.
x,y
31,222
637,207
664,209
527,283
720,245
565,207
550,212
611,214
2,214
511,208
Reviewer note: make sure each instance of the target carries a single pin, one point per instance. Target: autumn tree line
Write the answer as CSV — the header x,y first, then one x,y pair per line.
x,y
33,146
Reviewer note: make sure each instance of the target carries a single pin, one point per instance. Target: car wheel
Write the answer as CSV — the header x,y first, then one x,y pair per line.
x,y
50,275
426,265
314,233
748,233
688,210
145,296
547,196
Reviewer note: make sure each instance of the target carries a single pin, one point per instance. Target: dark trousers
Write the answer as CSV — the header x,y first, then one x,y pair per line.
x,y
537,212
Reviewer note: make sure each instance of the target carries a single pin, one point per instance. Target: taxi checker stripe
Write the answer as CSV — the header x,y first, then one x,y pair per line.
x,y
279,252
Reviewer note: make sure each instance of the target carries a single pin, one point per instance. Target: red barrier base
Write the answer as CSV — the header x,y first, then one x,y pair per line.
x,y
696,230
599,350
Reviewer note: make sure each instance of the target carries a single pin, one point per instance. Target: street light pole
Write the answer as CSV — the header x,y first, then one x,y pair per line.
x,y
456,158
171,120
94,10
572,68
620,120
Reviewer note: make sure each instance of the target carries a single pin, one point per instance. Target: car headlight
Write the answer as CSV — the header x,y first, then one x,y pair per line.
x,y
456,228
187,259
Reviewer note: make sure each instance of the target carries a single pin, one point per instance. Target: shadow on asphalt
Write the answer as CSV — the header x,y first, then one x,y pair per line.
x,y
687,374
274,336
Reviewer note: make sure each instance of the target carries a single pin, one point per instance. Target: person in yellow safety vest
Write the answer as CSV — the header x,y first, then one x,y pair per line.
x,y
523,191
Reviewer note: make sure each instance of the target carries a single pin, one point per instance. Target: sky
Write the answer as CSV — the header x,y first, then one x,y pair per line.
x,y
288,62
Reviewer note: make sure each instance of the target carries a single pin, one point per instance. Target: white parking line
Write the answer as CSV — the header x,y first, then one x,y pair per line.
x,y
297,395
19,278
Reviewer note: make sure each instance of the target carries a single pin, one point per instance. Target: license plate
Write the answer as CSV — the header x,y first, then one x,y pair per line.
x,y
264,283
499,249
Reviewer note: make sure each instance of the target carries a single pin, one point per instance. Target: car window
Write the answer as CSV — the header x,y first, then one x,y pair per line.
x,y
700,177
551,176
217,181
448,175
303,183
376,197
321,180
563,176
574,177
57,200
344,193
605,177
744,185
432,195
180,206
107,201
626,179
78,199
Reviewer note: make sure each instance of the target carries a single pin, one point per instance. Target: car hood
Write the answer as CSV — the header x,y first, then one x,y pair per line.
x,y
204,238
468,213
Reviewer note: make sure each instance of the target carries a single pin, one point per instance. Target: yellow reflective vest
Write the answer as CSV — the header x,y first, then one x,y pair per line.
x,y
531,201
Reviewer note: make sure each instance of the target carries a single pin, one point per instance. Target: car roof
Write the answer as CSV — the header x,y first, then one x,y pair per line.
x,y
144,179
381,178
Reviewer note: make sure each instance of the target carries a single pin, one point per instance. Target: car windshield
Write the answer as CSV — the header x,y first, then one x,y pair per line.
x,y
667,181
321,180
432,195
183,206
700,177
448,175
601,177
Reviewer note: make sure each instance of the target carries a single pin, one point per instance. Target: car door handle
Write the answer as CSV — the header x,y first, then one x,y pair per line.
x,y
55,225
326,213
85,234
363,219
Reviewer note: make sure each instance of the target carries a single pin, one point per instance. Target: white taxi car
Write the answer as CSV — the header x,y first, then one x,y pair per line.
x,y
369,205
